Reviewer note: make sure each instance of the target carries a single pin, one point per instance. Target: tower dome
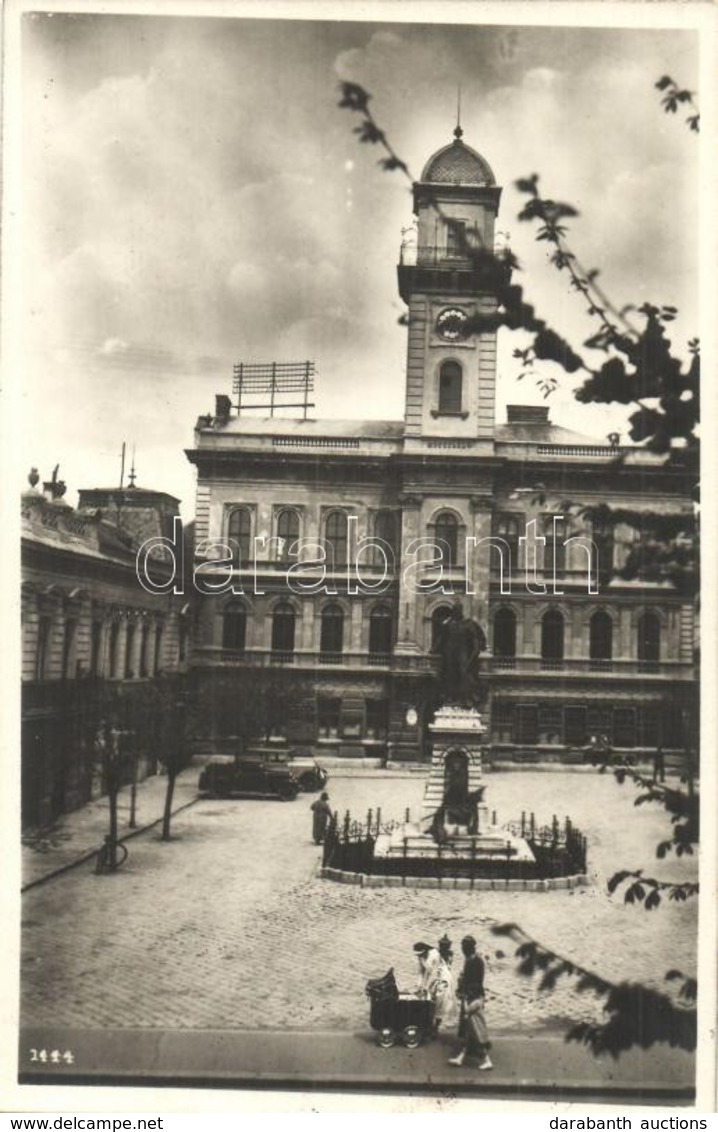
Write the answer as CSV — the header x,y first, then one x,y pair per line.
x,y
457,164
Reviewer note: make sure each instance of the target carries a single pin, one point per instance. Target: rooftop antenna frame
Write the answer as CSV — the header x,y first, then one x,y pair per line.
x,y
272,382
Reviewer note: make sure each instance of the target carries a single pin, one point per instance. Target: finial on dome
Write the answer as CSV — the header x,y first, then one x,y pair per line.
x,y
458,132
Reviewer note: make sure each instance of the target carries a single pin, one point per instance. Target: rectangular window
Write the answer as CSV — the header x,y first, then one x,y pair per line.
x,y
526,723
376,719
114,648
550,725
95,648
624,727
129,650
502,720
143,650
158,648
455,237
575,726
649,718
43,648
599,722
68,649
328,712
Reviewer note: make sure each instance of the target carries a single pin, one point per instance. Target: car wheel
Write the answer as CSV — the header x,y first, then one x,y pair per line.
x,y
287,793
387,1038
411,1036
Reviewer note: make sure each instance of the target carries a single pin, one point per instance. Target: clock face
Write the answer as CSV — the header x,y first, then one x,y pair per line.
x,y
451,324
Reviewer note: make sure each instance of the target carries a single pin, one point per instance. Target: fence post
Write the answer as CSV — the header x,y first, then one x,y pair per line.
x,y
473,862
403,871
378,820
407,815
554,830
369,816
523,823
533,826
347,819
493,817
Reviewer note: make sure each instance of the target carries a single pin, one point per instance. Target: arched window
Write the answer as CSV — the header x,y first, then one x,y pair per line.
x,y
505,633
239,534
337,536
287,533
380,631
450,382
331,640
555,550
438,617
649,639
283,625
386,531
446,539
552,637
234,626
600,646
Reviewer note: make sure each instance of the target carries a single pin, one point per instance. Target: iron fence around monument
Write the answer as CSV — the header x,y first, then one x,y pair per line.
x,y
559,850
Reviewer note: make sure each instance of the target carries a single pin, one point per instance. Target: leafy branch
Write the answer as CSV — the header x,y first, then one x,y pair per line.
x,y
648,891
673,97
638,1015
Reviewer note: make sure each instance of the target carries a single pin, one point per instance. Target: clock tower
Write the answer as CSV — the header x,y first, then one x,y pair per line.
x,y
448,279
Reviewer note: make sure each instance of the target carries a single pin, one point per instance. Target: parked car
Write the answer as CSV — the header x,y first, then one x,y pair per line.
x,y
249,775
310,774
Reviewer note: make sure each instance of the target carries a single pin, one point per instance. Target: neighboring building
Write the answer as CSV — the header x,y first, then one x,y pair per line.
x,y
564,665
93,640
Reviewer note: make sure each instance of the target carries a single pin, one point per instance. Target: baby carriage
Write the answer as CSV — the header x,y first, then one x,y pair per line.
x,y
396,1016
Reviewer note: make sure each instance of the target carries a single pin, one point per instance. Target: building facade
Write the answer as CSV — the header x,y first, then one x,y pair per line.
x,y
95,643
328,552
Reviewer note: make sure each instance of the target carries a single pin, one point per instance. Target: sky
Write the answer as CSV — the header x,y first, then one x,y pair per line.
x,y
192,197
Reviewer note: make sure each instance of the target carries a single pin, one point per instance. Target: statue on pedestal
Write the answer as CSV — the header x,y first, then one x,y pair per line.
x,y
459,644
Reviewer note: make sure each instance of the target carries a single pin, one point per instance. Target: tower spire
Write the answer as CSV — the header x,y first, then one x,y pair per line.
x,y
458,132
132,476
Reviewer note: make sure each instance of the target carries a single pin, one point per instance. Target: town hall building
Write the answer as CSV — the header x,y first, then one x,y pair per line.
x,y
346,543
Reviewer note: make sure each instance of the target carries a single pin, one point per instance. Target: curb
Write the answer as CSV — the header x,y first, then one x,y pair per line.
x,y
93,852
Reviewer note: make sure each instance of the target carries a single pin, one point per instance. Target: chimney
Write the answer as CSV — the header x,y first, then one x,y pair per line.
x,y
222,408
54,489
527,414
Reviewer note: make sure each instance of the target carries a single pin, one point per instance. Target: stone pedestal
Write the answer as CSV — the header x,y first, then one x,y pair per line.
x,y
455,731
455,772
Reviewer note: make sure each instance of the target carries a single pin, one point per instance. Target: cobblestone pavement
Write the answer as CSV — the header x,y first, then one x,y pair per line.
x,y
229,927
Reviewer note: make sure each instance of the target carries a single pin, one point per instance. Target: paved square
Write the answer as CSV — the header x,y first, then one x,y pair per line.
x,y
228,926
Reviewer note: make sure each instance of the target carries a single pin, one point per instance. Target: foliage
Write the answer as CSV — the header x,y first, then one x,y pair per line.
x,y
637,1015
673,97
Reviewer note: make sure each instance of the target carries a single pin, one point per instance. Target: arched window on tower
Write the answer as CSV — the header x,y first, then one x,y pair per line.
x,y
446,539
600,648
450,391
505,637
331,640
283,628
234,626
649,642
552,639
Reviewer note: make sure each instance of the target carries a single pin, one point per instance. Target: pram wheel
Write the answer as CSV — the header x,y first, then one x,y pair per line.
x,y
411,1036
387,1038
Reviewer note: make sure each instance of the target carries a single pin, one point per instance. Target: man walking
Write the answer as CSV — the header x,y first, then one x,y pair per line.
x,y
321,814
471,993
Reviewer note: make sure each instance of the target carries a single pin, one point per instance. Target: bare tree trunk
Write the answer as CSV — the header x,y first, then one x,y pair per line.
x,y
167,817
113,826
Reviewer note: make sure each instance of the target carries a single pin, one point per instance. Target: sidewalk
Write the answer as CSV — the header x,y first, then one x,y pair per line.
x,y
539,1066
76,836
